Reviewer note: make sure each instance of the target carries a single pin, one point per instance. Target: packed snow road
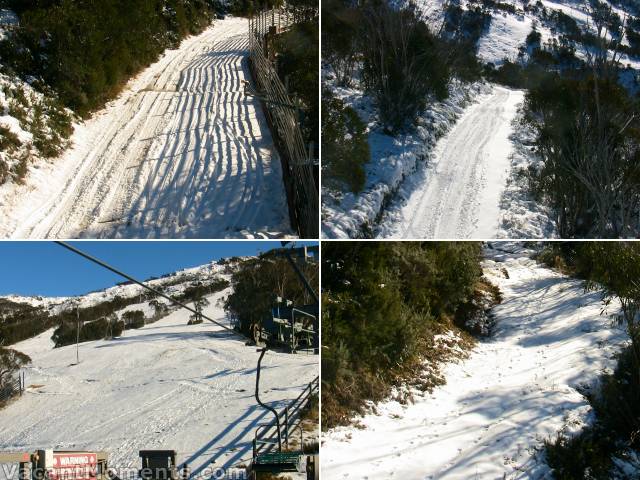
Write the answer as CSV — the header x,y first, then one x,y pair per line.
x,y
460,194
168,385
515,389
183,152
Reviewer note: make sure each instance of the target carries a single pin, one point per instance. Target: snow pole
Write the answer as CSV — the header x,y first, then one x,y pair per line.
x,y
267,407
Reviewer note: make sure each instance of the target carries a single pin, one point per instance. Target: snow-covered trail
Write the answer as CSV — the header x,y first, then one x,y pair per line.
x,y
183,152
167,385
460,194
515,389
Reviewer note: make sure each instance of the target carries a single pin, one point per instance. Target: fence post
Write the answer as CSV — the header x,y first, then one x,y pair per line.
x,y
286,425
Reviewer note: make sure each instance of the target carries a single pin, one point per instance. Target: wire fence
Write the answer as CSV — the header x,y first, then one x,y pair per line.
x,y
13,388
266,436
283,116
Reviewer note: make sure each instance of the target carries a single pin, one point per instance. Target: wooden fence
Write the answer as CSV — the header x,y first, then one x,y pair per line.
x,y
11,389
266,436
298,165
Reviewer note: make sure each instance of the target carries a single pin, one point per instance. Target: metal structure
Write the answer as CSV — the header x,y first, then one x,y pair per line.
x,y
268,455
298,165
13,388
289,326
158,465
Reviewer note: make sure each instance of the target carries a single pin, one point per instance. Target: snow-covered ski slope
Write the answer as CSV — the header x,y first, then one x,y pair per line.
x,y
515,389
167,385
183,152
459,195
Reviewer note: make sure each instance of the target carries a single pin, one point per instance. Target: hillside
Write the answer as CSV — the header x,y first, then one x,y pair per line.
x,y
393,174
529,380
160,383
166,385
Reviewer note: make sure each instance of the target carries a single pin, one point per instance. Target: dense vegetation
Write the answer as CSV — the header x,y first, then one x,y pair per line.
x,y
590,147
382,304
613,267
399,61
297,53
86,49
345,149
258,281
22,321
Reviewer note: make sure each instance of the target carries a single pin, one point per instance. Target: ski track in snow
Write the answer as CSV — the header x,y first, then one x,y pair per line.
x,y
460,193
168,385
516,389
183,152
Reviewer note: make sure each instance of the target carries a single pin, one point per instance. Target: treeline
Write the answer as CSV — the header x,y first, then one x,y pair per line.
x,y
382,305
87,49
614,268
101,321
399,61
258,281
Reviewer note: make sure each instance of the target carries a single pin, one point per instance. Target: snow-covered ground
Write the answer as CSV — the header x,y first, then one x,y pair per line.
x,y
420,185
458,194
506,34
517,388
183,152
166,385
393,159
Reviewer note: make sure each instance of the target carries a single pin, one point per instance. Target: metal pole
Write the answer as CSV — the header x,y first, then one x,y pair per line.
x,y
267,407
286,425
78,335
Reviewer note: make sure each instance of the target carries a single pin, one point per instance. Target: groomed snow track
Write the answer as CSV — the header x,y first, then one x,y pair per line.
x,y
460,194
183,152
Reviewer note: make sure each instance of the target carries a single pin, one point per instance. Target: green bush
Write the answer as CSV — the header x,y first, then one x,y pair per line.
x,y
256,283
87,50
297,62
345,146
66,333
383,302
590,152
9,141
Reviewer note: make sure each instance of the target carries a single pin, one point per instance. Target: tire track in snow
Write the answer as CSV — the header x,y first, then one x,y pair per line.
x,y
459,197
182,153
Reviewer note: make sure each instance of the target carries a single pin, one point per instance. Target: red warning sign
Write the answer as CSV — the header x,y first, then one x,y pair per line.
x,y
74,466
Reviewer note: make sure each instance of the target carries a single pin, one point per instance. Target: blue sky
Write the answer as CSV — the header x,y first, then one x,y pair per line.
x,y
45,268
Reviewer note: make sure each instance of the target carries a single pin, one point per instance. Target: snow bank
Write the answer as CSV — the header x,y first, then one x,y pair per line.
x,y
522,216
